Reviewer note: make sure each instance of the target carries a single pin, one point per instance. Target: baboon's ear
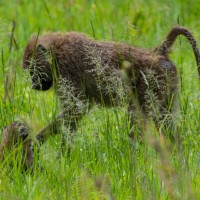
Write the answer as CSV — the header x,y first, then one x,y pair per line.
x,y
41,48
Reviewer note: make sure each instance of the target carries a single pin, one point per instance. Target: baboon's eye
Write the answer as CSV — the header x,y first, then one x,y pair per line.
x,y
23,132
41,48
166,64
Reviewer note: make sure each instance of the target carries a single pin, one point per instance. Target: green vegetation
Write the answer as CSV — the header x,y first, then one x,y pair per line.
x,y
102,165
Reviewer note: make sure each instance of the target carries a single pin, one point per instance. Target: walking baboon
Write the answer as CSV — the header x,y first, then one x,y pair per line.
x,y
83,70
14,134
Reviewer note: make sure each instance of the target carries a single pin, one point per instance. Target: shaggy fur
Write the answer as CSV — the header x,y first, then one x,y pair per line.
x,y
13,135
82,69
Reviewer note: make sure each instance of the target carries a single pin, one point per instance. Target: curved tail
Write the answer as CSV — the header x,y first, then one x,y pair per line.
x,y
163,49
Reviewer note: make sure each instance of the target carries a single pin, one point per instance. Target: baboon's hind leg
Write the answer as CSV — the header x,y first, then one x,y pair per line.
x,y
137,122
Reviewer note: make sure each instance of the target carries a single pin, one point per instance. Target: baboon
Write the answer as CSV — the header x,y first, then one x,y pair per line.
x,y
82,71
14,134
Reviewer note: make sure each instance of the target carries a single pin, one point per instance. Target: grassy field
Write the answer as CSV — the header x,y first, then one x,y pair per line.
x,y
102,165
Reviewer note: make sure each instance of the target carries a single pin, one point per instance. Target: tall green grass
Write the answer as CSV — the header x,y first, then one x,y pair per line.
x,y
103,164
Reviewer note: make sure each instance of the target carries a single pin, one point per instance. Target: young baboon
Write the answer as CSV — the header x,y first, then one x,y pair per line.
x,y
14,134
83,70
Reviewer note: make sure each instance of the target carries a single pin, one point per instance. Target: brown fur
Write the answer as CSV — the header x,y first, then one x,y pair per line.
x,y
78,59
13,135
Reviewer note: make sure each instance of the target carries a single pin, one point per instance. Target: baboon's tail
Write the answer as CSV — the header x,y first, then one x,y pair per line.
x,y
163,49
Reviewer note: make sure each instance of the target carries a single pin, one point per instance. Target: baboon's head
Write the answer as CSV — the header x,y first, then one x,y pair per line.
x,y
13,135
14,132
38,60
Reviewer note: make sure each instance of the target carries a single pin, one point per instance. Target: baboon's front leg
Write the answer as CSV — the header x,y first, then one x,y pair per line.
x,y
51,129
68,130
65,123
54,127
137,120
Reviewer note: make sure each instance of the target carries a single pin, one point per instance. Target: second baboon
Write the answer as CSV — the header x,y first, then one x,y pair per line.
x,y
83,70
13,135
